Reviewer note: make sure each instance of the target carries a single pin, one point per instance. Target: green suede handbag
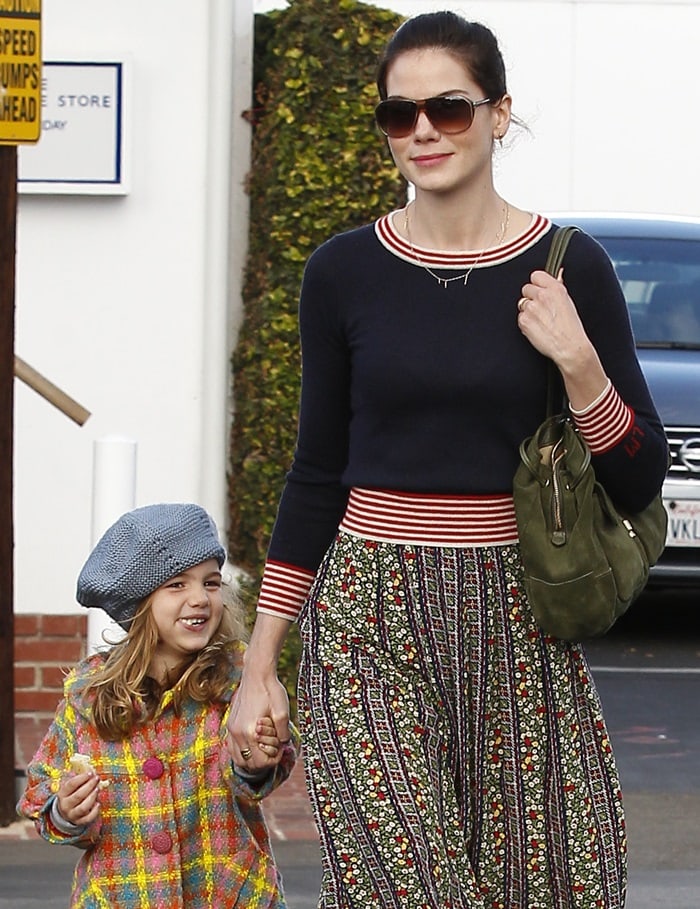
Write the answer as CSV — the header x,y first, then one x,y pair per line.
x,y
584,560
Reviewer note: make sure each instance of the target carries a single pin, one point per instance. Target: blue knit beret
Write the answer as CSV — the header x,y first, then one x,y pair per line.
x,y
142,550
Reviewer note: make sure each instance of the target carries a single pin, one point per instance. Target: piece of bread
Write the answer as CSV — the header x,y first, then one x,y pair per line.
x,y
80,763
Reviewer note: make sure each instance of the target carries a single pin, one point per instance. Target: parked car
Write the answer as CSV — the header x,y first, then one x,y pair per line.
x,y
657,260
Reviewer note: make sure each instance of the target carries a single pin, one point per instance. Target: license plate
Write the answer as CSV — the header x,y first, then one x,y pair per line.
x,y
683,522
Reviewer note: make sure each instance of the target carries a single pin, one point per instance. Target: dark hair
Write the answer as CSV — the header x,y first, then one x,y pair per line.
x,y
473,44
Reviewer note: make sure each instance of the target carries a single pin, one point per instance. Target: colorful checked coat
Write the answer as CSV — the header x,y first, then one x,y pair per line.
x,y
178,828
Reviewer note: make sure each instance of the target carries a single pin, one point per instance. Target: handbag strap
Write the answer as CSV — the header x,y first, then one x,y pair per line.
x,y
555,258
557,250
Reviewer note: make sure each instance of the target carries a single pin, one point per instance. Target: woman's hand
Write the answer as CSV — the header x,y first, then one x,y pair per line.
x,y
548,318
260,694
258,723
77,798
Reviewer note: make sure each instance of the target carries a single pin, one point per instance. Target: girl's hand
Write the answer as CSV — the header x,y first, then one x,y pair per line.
x,y
78,798
266,737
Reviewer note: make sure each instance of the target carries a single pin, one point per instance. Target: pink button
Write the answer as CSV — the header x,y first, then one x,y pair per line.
x,y
162,843
153,768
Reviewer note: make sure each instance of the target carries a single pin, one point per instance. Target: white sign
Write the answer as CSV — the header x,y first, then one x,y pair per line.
x,y
81,149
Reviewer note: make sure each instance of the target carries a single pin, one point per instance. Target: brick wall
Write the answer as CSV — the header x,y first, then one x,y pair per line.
x,y
46,646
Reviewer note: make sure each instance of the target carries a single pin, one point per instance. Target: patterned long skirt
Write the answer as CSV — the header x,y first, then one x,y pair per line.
x,y
456,757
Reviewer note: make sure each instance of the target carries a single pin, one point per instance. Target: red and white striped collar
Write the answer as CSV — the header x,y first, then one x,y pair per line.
x,y
437,258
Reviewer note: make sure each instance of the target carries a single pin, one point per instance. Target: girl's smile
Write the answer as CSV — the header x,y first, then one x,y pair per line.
x,y
195,621
187,611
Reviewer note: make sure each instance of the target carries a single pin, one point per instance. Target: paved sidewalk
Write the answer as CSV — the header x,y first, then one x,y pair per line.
x,y
288,812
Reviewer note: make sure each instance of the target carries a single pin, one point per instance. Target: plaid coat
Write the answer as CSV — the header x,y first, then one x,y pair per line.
x,y
178,828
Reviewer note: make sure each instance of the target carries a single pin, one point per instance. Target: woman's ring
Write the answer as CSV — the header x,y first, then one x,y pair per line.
x,y
521,303
246,753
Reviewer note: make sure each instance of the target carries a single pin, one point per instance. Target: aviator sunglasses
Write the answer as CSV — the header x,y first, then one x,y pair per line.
x,y
396,117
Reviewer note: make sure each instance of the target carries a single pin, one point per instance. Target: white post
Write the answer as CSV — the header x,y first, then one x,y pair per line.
x,y
113,493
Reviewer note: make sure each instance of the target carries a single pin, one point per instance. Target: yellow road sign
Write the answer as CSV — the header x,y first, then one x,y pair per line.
x,y
20,71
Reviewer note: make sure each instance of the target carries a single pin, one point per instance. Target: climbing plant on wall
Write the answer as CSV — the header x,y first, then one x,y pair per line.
x,y
319,167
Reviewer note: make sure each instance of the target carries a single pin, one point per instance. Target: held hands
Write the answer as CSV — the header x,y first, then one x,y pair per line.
x,y
258,725
266,740
77,798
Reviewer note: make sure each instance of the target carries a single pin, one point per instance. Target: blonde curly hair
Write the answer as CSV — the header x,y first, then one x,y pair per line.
x,y
125,696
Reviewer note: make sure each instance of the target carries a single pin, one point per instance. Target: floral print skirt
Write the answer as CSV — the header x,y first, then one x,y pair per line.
x,y
456,757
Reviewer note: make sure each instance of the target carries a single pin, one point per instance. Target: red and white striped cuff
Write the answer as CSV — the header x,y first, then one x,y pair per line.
x,y
284,590
605,422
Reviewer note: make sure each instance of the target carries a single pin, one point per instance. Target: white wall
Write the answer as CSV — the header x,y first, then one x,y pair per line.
x,y
130,303
609,89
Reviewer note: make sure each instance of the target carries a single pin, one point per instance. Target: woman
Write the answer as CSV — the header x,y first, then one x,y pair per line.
x,y
455,756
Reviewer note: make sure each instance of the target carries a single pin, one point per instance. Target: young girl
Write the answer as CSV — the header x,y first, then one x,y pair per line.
x,y
165,818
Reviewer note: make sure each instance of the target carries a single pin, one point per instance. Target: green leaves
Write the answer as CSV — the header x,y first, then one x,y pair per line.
x,y
319,167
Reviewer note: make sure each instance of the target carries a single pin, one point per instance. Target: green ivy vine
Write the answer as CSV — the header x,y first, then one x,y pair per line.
x,y
319,167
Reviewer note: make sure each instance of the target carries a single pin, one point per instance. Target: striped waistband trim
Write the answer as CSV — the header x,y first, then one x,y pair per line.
x,y
429,520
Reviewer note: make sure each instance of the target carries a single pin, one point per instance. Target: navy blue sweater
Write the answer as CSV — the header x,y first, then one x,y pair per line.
x,y
408,385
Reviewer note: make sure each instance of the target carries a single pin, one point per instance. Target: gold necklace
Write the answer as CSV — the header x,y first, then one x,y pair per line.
x,y
465,277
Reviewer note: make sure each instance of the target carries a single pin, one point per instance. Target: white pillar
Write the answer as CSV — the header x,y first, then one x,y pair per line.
x,y
113,493
229,63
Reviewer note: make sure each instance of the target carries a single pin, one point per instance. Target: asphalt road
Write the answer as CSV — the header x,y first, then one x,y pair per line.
x,y
648,674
